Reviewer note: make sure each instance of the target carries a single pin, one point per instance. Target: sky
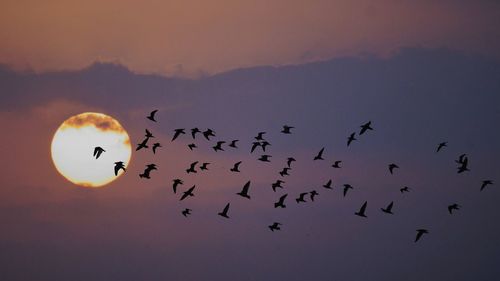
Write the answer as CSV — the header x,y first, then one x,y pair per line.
x,y
423,72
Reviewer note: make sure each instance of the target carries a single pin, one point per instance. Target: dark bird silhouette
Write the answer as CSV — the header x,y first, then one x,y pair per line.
x,y
177,133
365,127
209,133
313,194
485,183
177,182
277,184
152,115
224,212
405,189
265,158
191,168
392,167
420,232
147,171
143,144
186,212
218,146
328,185
233,144
388,209
119,165
286,129
453,207
275,226
264,144
204,167
461,159
244,191
281,202
236,166
351,138
260,136
188,192
289,161
441,145
301,197
319,156
346,188
194,131
284,172
148,134
155,146
98,151
337,164
362,210
192,146
464,165
254,146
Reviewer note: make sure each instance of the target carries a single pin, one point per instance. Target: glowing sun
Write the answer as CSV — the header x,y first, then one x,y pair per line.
x,y
73,147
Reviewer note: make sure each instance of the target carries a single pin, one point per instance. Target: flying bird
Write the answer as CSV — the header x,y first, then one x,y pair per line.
x,y
177,182
328,185
143,144
464,165
392,167
264,144
289,161
485,183
155,146
265,158
405,189
286,129
204,167
224,212
301,197
453,207
187,193
186,212
147,171
209,133
254,146
236,166
277,184
313,194
281,202
365,127
191,168
284,172
388,209
362,210
192,146
260,136
320,155
218,146
177,133
98,151
346,188
420,232
337,164
275,226
351,138
233,144
152,115
441,145
148,134
244,191
194,131
461,158
119,166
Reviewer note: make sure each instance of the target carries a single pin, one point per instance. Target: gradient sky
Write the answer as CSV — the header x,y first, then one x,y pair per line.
x,y
431,74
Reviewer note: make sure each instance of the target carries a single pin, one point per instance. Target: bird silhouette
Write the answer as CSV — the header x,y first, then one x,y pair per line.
x,y
461,158
119,166
265,158
405,189
485,183
98,151
337,164
277,184
289,161
209,133
388,209
275,226
328,185
254,146
192,146
281,202
152,115
177,133
284,172
244,191
351,138
155,146
441,145
233,144
392,167
319,156
365,127
186,212
420,232
148,134
143,144
313,194
194,131
188,192
204,167
260,136
191,167
264,144
362,210
301,197
464,165
177,182
224,212
346,188
286,129
218,146
235,167
147,171
453,207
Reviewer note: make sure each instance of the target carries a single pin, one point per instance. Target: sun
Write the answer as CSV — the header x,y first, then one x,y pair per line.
x,y
73,144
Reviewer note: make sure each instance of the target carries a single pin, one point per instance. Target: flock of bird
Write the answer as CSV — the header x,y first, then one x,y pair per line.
x,y
262,143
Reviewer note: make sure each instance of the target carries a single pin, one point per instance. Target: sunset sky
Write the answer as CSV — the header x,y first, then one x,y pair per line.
x,y
423,72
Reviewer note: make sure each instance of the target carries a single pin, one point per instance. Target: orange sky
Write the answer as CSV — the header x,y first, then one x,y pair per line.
x,y
193,37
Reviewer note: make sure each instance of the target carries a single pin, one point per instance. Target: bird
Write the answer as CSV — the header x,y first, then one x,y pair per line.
x,y
147,171
177,133
284,172
204,167
337,164
188,192
148,134
191,167
275,226
328,185
464,165
301,197
264,144
286,129
461,158
289,161
351,138
177,182
186,212
194,131
98,151
155,146
152,115
441,145
420,232
143,144
218,146
233,144
235,167
191,146
453,207
260,136
244,191
119,165
281,202
209,133
485,183
254,146
277,184
346,188
362,210
388,209
265,158
365,127
224,212
319,156
313,194
404,189
392,167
